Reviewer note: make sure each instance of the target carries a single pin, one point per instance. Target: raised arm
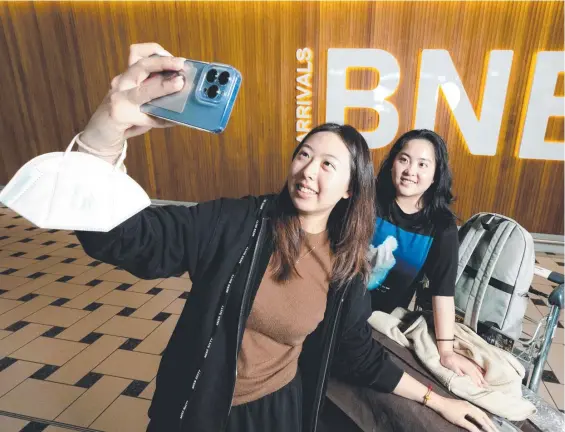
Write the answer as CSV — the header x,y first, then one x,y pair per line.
x,y
158,242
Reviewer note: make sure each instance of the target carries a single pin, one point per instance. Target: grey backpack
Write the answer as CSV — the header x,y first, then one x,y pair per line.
x,y
495,271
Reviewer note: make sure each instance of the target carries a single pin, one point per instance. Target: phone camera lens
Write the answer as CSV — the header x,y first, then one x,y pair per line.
x,y
213,91
211,75
224,78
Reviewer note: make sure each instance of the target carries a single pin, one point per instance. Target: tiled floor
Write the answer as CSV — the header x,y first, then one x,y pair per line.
x,y
80,341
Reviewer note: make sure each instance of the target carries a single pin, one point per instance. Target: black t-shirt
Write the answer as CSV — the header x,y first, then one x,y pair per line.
x,y
405,248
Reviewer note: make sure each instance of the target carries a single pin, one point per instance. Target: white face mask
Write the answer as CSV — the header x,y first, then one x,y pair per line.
x,y
74,191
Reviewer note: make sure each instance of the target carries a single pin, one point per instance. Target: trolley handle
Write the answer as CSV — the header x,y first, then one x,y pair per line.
x,y
551,276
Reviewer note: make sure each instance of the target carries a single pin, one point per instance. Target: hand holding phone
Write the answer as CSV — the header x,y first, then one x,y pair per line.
x,y
206,100
119,117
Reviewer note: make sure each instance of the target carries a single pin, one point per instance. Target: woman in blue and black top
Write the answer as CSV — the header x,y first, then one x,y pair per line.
x,y
416,237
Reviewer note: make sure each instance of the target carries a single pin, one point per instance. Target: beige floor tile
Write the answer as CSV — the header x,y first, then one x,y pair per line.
x,y
93,273
125,299
129,364
91,295
541,281
11,424
63,290
9,282
94,401
49,351
149,390
120,276
142,286
545,395
547,289
4,334
557,393
68,269
559,337
21,338
29,249
87,360
40,266
176,307
89,323
57,316
176,283
66,252
543,310
533,313
125,414
128,327
15,374
156,304
30,287
6,305
24,310
16,262
556,361
48,250
85,260
156,342
12,239
41,399
548,263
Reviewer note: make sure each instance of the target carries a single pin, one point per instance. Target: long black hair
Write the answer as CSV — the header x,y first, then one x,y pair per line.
x,y
436,201
351,222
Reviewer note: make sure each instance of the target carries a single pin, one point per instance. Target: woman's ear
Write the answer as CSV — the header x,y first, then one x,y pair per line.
x,y
346,195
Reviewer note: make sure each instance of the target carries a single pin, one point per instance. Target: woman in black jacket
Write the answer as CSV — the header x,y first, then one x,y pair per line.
x,y
278,299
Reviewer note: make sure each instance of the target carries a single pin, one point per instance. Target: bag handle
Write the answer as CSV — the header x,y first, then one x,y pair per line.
x,y
122,152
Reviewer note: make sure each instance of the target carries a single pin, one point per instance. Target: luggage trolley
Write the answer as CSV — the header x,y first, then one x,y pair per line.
x,y
533,352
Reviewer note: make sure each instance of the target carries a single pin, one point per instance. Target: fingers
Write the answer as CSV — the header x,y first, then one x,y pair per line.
x,y
143,50
476,377
480,418
153,89
142,69
479,379
488,424
468,425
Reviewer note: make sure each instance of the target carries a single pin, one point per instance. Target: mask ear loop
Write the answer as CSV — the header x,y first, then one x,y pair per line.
x,y
122,157
122,152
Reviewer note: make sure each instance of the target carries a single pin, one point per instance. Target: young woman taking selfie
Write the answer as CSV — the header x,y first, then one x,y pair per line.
x,y
416,237
278,301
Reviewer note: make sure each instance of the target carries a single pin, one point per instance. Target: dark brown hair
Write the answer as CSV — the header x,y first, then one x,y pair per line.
x,y
437,199
351,222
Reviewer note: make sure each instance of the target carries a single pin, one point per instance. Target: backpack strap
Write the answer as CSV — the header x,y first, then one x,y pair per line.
x,y
503,229
469,243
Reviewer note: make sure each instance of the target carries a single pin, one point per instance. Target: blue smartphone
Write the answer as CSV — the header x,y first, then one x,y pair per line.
x,y
206,100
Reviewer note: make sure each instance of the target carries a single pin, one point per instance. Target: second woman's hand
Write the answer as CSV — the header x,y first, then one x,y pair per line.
x,y
119,116
463,366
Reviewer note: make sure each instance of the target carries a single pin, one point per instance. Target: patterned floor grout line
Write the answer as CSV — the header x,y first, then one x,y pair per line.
x,y
47,422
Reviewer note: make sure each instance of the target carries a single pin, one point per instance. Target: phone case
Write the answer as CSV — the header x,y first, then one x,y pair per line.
x,y
207,105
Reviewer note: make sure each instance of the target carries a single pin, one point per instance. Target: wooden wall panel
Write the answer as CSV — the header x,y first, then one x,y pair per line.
x,y
57,60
